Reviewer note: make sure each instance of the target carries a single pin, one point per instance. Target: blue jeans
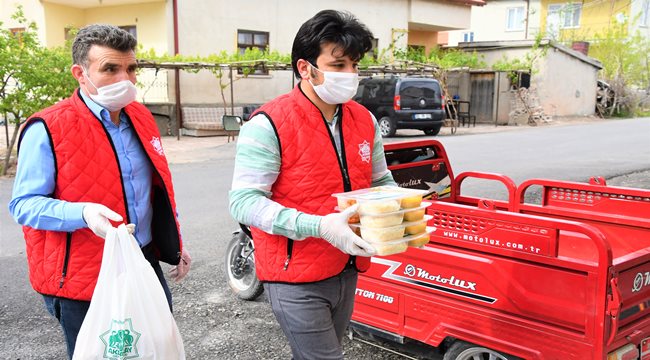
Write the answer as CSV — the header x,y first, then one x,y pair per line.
x,y
71,313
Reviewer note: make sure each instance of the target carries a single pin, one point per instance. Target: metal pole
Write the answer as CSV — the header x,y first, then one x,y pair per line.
x,y
496,117
177,77
232,96
179,113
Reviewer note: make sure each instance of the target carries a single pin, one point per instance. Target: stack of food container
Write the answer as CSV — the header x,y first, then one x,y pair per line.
x,y
390,218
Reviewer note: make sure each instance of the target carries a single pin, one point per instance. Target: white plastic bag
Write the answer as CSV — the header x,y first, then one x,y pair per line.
x,y
129,317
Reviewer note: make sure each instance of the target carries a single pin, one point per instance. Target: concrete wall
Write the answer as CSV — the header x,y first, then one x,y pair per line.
x,y
149,19
441,14
33,12
566,86
59,18
428,39
52,19
575,94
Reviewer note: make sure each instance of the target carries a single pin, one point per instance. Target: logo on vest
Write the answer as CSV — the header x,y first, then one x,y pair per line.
x,y
364,151
120,341
157,145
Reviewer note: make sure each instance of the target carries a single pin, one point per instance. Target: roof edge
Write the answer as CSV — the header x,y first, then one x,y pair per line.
x,y
513,44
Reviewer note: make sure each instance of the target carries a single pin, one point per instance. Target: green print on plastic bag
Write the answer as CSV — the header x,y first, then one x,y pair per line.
x,y
120,341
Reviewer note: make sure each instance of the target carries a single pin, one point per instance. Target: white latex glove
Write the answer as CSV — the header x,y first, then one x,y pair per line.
x,y
179,271
97,218
335,229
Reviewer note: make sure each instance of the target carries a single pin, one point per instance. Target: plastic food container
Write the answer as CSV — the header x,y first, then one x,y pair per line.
x,y
419,240
384,206
382,234
388,241
416,227
411,201
383,220
393,218
384,249
414,215
381,199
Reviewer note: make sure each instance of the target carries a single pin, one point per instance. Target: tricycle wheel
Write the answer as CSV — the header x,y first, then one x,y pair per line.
x,y
461,350
240,268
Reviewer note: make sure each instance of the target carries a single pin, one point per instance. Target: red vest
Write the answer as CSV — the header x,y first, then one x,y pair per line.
x,y
310,173
67,264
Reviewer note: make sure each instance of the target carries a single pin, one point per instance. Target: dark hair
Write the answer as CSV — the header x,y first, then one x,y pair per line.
x,y
330,26
103,35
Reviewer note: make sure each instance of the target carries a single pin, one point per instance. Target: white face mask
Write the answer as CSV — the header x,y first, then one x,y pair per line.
x,y
115,96
337,87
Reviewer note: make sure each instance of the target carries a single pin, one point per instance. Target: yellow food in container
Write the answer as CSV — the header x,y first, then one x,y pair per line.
x,y
411,201
419,241
390,248
414,215
378,235
416,228
381,221
378,207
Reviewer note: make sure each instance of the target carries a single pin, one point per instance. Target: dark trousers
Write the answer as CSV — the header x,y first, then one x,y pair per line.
x,y
314,316
71,313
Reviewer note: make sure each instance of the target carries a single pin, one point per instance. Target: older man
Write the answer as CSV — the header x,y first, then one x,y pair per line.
x,y
88,162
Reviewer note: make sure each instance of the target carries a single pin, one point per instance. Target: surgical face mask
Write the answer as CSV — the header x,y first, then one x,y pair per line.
x,y
115,96
337,87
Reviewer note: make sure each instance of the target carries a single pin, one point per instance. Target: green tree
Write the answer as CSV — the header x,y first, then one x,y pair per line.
x,y
625,66
32,76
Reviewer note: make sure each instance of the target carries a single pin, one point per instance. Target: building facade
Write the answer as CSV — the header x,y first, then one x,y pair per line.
x,y
500,20
568,21
204,27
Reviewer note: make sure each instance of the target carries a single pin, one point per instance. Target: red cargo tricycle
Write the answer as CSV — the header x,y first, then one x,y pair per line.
x,y
566,276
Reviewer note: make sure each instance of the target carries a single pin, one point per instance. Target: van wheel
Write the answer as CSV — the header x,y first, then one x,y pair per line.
x,y
387,127
461,350
433,131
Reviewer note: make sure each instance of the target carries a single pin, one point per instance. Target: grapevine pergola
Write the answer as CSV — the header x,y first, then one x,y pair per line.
x,y
396,68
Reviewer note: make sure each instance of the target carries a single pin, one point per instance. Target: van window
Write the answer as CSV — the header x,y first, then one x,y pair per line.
x,y
419,89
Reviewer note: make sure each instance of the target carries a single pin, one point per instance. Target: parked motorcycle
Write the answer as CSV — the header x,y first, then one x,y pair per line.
x,y
240,266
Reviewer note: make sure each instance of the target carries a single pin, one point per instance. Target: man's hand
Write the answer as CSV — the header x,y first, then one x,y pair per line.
x,y
179,271
97,218
335,229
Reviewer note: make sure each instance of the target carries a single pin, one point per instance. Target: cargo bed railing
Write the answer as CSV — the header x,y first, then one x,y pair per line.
x,y
536,239
594,201
510,185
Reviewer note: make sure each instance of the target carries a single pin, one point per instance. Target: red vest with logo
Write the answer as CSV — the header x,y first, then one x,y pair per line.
x,y
66,264
310,173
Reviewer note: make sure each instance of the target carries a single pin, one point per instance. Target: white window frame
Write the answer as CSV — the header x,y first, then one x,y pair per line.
x,y
643,19
468,36
570,11
515,18
567,11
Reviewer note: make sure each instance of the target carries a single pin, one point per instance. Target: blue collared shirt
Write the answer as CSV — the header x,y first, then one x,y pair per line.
x,y
32,204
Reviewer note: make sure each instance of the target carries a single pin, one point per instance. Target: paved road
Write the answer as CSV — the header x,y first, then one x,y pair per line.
x,y
214,325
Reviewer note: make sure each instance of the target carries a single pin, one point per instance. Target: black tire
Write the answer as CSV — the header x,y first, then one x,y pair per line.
x,y
240,268
461,350
387,127
433,131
